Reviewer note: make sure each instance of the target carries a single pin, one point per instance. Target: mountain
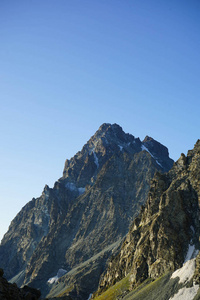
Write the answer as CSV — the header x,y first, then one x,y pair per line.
x,y
158,259
61,241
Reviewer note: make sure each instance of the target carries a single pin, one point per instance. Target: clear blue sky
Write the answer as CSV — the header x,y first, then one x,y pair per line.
x,y
68,66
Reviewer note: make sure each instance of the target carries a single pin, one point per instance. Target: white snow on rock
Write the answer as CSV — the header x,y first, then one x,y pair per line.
x,y
81,190
120,147
159,163
146,149
96,159
93,146
192,228
90,296
191,253
54,279
186,272
72,187
186,293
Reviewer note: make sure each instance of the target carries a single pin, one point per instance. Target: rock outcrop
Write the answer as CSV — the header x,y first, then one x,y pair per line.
x,y
9,291
80,222
166,232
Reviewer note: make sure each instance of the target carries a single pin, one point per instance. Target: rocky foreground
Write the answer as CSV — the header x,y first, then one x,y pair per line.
x,y
9,291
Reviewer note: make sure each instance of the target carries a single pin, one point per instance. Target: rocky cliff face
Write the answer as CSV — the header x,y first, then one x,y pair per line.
x,y
166,232
77,224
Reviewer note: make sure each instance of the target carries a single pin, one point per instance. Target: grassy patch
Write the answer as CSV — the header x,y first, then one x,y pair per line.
x,y
160,289
66,291
116,291
145,290
60,290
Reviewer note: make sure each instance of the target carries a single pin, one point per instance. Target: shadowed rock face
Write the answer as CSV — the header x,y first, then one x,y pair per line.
x,y
77,224
159,237
10,291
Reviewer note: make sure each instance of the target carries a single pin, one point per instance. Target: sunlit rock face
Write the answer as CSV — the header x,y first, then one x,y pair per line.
x,y
80,222
166,232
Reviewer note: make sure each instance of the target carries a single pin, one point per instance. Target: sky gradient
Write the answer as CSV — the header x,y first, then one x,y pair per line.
x,y
68,66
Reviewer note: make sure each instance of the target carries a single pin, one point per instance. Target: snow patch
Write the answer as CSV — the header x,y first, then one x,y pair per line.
x,y
81,190
146,149
93,146
120,147
96,159
186,272
192,228
159,163
54,279
191,253
186,293
72,187
90,296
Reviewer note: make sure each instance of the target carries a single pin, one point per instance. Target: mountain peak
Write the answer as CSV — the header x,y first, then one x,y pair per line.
x,y
147,139
109,138
111,131
106,126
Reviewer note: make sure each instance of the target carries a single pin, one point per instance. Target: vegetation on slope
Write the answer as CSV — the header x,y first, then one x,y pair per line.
x,y
160,289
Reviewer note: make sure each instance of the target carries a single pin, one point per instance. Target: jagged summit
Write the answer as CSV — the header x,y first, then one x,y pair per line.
x,y
110,136
108,140
112,131
106,126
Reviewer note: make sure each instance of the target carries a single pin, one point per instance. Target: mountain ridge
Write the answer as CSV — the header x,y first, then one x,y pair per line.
x,y
166,232
89,209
